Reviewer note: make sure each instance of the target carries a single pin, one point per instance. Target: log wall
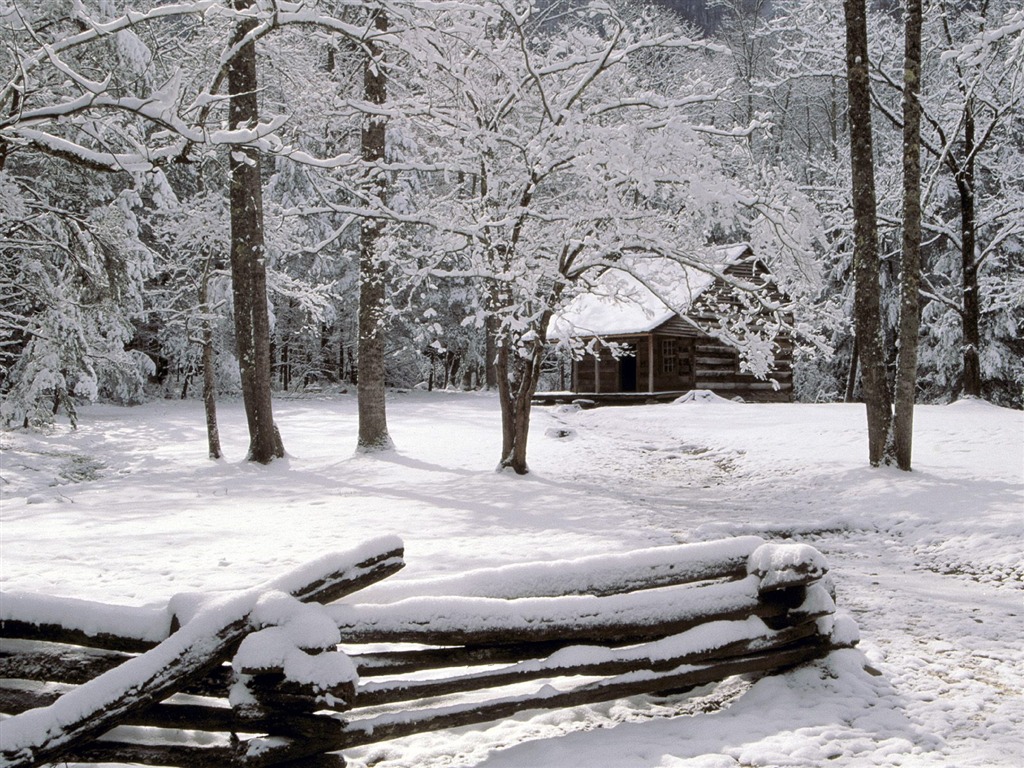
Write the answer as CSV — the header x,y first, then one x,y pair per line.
x,y
701,361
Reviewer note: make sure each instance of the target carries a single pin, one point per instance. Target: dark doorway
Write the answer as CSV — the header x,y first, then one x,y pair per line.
x,y
627,370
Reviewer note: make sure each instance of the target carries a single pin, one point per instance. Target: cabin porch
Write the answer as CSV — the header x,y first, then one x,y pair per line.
x,y
644,363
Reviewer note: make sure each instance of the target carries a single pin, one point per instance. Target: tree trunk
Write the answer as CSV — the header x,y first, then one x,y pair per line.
x,y
248,265
968,244
505,401
867,299
373,425
490,355
209,374
516,377
851,376
210,394
910,262
285,364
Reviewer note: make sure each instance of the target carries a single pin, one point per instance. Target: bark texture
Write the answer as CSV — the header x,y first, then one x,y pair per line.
x,y
518,363
209,373
965,181
910,261
867,299
517,372
248,254
373,424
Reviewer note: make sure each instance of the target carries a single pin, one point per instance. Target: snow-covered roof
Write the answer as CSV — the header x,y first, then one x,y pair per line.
x,y
623,304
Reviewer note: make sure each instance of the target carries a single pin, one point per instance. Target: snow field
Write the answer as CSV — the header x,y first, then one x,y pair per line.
x,y
928,563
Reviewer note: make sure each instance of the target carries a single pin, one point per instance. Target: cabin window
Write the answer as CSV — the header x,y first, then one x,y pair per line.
x,y
669,356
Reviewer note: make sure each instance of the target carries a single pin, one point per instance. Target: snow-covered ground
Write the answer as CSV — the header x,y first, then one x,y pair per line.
x,y
127,509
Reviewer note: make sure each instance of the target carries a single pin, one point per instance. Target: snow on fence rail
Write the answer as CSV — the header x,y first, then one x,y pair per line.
x,y
272,675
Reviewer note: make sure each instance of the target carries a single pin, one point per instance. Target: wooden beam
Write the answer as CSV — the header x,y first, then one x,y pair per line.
x,y
383,663
55,633
274,752
617,663
600,575
35,660
387,727
15,699
116,627
150,754
650,362
633,617
207,640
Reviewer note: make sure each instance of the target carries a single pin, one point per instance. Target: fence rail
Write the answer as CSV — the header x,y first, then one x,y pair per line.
x,y
284,673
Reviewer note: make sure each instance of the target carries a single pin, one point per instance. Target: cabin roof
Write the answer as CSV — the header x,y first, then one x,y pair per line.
x,y
620,304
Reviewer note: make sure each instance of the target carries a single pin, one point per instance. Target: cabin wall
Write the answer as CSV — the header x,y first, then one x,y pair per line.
x,y
718,369
682,363
717,364
600,375
674,368
685,358
673,363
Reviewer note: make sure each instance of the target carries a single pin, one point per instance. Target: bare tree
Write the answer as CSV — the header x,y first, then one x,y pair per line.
x,y
910,262
248,250
209,369
557,160
373,425
867,311
968,116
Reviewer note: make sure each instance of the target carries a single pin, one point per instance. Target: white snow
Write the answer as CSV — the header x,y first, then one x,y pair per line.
x,y
290,629
928,564
620,303
275,649
781,565
453,615
150,623
594,574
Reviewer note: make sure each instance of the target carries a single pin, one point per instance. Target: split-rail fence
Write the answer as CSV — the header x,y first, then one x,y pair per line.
x,y
294,672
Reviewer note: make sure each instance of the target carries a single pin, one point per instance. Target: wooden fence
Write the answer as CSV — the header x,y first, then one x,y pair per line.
x,y
275,676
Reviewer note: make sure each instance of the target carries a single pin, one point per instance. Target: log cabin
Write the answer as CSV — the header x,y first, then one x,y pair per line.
x,y
639,341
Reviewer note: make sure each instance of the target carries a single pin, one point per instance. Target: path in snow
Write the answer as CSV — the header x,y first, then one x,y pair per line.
x,y
943,626
958,672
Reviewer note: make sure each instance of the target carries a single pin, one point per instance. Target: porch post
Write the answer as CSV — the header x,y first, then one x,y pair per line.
x,y
650,362
597,374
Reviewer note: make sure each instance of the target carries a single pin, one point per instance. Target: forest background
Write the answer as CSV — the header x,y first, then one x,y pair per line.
x,y
211,196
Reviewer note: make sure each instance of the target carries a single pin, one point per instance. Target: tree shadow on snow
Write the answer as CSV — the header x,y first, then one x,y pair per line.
x,y
833,712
